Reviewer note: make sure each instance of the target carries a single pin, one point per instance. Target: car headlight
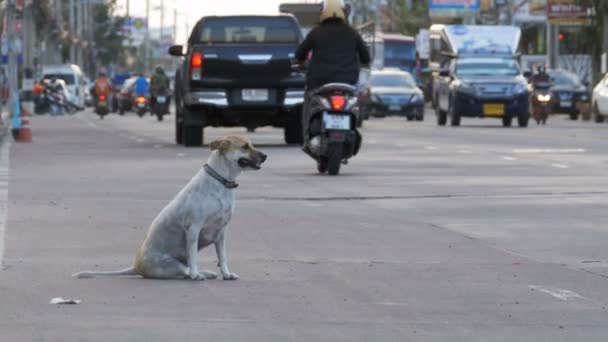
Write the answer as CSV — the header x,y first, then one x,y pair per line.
x,y
520,88
416,99
464,87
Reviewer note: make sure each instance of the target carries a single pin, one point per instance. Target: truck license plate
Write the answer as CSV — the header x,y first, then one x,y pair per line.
x,y
394,108
161,99
565,104
255,95
334,121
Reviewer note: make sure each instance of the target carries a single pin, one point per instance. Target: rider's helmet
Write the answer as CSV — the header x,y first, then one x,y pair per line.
x,y
333,9
102,73
159,69
541,69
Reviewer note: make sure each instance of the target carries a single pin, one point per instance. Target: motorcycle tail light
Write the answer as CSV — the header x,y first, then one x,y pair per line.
x,y
141,99
337,102
102,97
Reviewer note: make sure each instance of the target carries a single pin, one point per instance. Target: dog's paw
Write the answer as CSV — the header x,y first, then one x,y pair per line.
x,y
209,275
198,277
231,276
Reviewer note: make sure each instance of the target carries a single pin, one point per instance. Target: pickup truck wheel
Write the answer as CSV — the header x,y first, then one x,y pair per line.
x,y
179,132
522,120
574,116
506,121
293,129
193,136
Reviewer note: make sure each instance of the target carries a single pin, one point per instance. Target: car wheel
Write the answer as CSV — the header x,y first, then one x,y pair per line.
x,y
179,132
573,116
292,132
410,118
506,121
442,116
193,136
522,120
599,118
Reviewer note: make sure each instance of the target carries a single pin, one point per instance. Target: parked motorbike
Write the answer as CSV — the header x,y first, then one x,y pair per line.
x,y
101,107
334,137
141,105
161,105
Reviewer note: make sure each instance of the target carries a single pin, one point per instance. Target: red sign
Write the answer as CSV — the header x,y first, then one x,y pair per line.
x,y
568,12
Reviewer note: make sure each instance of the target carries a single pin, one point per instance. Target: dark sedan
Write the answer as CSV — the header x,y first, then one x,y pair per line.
x,y
393,92
570,95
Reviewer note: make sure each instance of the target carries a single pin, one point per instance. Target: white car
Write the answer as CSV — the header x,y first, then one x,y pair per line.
x,y
600,100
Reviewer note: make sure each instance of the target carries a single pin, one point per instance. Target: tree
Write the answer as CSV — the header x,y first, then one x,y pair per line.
x,y
407,20
106,34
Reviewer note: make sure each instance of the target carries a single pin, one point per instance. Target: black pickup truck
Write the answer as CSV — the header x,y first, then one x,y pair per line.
x,y
236,71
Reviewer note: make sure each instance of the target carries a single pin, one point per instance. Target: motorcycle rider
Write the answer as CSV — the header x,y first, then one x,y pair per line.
x,y
103,86
541,79
338,52
159,84
142,87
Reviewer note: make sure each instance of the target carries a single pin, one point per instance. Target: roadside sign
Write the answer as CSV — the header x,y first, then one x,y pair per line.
x,y
568,12
454,5
423,44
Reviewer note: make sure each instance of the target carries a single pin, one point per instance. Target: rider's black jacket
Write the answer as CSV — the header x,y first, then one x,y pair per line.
x,y
338,52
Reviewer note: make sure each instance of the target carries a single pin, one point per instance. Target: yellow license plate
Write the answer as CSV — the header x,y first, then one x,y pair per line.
x,y
102,103
494,109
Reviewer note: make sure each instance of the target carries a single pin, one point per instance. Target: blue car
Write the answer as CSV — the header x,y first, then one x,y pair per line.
x,y
485,87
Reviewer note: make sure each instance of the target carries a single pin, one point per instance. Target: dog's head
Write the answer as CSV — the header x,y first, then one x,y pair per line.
x,y
240,151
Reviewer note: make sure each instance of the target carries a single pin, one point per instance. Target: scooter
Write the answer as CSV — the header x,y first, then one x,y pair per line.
x,y
541,105
101,107
161,105
333,135
141,105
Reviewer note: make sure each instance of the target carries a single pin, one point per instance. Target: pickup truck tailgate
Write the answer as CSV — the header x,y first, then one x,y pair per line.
x,y
246,65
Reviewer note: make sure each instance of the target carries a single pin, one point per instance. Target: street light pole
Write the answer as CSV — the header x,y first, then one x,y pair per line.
x,y
147,38
72,31
58,12
80,22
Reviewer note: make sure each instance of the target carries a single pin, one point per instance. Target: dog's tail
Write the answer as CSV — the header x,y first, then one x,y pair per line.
x,y
90,274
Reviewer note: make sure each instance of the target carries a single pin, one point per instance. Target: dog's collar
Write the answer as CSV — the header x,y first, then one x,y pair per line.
x,y
228,184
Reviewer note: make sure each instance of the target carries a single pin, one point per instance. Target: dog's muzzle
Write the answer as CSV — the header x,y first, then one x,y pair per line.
x,y
256,165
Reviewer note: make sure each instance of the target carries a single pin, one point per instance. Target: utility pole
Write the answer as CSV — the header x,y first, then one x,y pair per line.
x,y
162,21
147,39
58,12
72,32
13,82
128,7
79,31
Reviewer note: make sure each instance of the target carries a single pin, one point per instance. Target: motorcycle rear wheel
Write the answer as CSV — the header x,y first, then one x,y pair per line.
x,y
334,159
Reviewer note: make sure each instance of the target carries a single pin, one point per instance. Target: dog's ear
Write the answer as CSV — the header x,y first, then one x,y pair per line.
x,y
221,145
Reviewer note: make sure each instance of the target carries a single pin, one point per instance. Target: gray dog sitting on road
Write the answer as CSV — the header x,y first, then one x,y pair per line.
x,y
195,218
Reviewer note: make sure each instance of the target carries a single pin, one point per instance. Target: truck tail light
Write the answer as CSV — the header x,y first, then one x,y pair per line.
x,y
337,102
196,66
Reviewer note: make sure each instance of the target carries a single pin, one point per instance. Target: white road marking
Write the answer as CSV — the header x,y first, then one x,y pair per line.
x,y
401,145
157,146
549,150
430,148
560,166
509,158
181,154
556,293
4,178
373,142
140,140
465,152
391,304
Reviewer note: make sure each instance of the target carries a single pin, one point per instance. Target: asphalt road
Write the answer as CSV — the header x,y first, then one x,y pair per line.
x,y
476,233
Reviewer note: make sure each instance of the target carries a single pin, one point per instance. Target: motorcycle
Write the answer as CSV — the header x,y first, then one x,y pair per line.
x,y
161,105
141,105
101,107
541,105
334,137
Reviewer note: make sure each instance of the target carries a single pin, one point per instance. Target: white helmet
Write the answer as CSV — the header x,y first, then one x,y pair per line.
x,y
333,9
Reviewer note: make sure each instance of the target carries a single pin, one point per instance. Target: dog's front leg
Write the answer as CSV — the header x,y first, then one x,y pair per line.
x,y
192,245
220,248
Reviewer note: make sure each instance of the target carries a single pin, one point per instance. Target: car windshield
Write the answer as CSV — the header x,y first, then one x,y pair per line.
x,y
69,79
398,81
405,51
489,68
233,30
564,79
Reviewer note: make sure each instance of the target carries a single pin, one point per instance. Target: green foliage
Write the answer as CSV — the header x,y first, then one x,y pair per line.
x,y
408,21
108,41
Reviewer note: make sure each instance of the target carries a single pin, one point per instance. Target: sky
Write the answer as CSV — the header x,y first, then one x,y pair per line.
x,y
192,10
